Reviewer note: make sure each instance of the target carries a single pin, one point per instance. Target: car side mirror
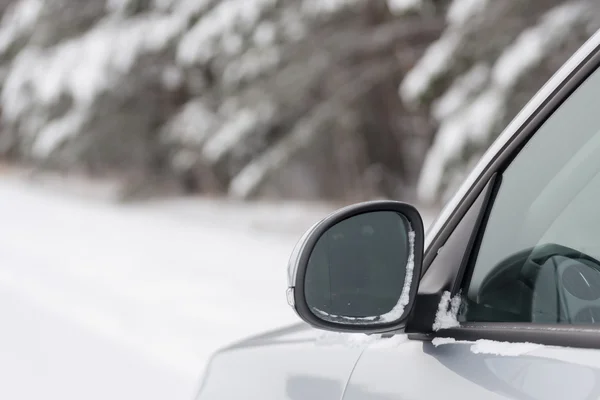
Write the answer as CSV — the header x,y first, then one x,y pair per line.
x,y
358,269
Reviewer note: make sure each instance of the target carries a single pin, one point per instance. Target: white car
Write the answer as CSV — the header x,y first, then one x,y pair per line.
x,y
500,300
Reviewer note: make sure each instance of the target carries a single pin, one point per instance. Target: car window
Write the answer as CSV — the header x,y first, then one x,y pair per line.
x,y
538,259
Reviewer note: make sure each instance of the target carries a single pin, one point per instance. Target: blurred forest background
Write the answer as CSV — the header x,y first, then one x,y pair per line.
x,y
340,100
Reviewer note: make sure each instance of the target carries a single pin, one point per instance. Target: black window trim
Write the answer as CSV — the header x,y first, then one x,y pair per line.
x,y
448,267
578,336
575,336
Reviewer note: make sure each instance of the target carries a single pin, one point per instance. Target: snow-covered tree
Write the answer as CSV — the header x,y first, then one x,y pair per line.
x,y
244,97
491,58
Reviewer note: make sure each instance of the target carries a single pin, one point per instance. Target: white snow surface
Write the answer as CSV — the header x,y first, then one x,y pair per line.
x,y
81,67
337,318
439,341
402,6
354,340
192,125
447,312
434,62
484,346
534,43
345,339
317,7
251,175
239,125
389,342
20,18
53,134
459,93
117,5
221,22
229,135
460,11
100,301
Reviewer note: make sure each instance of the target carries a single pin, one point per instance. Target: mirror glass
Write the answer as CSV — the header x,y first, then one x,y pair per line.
x,y
357,271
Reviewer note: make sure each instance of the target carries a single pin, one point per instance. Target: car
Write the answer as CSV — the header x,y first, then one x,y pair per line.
x,y
499,300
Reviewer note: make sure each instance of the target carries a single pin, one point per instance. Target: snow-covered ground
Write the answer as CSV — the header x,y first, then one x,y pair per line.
x,y
100,301
106,301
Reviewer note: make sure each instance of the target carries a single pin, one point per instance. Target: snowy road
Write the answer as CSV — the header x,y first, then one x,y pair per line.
x,y
46,356
99,301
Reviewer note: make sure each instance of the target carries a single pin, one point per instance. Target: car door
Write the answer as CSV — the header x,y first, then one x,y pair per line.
x,y
509,301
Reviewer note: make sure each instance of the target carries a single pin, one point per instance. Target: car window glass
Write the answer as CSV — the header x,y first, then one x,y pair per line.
x,y
538,258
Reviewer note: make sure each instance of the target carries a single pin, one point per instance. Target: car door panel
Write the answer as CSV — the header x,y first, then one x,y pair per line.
x,y
416,370
412,370
293,363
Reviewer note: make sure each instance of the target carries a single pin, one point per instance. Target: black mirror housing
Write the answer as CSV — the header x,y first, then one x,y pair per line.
x,y
358,269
